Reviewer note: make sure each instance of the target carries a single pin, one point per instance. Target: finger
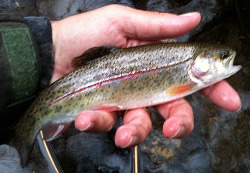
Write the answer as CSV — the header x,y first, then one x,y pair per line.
x,y
154,25
223,95
95,121
179,118
136,128
133,42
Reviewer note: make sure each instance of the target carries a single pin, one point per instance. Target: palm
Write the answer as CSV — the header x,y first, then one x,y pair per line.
x,y
125,27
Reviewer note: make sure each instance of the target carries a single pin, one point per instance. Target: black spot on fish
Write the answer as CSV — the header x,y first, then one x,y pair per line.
x,y
32,121
46,112
82,105
79,97
58,108
67,111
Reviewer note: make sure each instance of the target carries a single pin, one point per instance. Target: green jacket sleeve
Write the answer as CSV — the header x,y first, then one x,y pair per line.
x,y
26,63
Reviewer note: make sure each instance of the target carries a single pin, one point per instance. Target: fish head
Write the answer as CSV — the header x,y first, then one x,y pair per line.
x,y
213,64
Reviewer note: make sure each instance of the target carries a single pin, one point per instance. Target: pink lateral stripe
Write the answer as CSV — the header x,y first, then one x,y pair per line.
x,y
108,81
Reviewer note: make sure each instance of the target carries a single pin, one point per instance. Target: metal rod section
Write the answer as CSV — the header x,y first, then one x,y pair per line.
x,y
136,160
47,154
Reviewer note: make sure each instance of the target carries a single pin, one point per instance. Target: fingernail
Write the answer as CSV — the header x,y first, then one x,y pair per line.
x,y
239,108
87,127
133,141
179,133
190,14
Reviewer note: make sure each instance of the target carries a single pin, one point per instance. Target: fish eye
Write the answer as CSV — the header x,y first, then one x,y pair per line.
x,y
225,55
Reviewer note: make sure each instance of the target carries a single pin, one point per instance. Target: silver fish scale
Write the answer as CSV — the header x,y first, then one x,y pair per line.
x,y
141,88
124,62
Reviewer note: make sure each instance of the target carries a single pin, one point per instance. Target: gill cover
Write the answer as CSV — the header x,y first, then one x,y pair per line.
x,y
213,65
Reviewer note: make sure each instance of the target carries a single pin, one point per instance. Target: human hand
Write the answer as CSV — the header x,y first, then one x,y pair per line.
x,y
121,26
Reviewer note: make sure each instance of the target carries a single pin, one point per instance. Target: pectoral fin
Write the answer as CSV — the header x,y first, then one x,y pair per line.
x,y
180,89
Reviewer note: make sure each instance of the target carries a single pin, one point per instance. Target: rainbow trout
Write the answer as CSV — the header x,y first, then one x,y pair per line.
x,y
125,79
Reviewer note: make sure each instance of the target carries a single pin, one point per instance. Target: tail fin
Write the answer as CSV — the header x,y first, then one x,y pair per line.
x,y
24,147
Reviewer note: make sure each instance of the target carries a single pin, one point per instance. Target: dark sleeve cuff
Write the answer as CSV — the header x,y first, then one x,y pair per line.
x,y
40,28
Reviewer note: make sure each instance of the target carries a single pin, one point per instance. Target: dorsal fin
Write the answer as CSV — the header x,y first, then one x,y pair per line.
x,y
90,55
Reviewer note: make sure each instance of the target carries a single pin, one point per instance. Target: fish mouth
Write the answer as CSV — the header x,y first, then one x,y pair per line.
x,y
231,68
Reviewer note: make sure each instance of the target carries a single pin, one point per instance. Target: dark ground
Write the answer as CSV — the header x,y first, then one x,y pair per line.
x,y
220,140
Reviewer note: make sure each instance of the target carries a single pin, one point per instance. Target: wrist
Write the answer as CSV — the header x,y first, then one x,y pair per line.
x,y
60,67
